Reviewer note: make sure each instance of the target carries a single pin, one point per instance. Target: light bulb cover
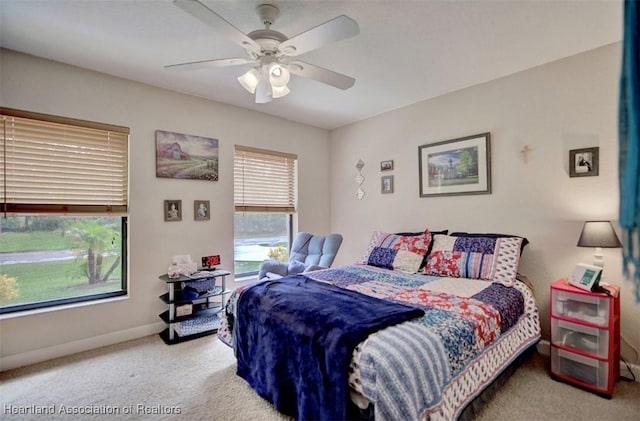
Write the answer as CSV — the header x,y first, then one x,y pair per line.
x,y
263,89
279,75
279,92
250,80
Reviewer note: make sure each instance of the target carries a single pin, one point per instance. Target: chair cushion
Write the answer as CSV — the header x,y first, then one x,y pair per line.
x,y
296,267
315,249
273,266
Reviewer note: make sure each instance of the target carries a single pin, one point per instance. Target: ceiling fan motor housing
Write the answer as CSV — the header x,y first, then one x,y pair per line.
x,y
268,14
268,39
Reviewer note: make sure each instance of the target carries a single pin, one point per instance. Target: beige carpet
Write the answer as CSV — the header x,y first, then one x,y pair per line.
x,y
146,379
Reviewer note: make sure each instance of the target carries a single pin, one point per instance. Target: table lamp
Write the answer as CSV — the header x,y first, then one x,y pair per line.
x,y
598,234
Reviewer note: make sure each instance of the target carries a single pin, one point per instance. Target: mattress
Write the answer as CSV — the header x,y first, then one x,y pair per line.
x,y
432,366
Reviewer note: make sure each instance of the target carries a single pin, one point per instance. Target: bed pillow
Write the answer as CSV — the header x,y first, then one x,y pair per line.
x,y
413,234
433,233
475,257
492,235
397,252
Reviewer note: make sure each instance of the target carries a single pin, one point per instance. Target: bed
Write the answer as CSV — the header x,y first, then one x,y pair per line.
x,y
417,329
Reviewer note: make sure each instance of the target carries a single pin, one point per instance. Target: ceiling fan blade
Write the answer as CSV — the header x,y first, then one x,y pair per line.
x,y
334,30
207,64
214,20
321,74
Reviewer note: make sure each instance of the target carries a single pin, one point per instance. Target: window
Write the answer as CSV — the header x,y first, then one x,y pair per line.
x,y
265,199
63,228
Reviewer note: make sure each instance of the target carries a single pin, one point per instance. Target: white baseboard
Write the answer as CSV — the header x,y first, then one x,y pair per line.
x,y
62,350
634,367
544,348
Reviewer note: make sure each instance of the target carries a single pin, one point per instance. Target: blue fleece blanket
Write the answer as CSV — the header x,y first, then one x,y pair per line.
x,y
294,339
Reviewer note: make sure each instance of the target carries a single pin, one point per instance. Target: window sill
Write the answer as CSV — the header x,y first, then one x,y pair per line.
x,y
43,310
246,278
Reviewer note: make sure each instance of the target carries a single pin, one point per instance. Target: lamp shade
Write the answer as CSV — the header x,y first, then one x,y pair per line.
x,y
278,75
249,80
267,82
263,89
598,234
279,92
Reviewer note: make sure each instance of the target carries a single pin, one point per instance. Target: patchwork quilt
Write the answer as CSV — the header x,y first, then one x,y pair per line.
x,y
294,340
431,366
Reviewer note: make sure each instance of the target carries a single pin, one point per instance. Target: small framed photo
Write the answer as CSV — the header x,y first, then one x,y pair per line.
x,y
173,210
201,210
584,162
386,165
386,184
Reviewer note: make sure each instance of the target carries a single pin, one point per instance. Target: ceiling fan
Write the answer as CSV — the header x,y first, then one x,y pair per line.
x,y
270,52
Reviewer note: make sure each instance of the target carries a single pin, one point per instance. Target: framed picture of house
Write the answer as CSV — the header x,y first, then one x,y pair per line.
x,y
186,156
173,210
584,162
455,167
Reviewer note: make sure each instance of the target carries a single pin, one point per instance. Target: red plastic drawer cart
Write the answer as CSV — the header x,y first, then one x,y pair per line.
x,y
585,336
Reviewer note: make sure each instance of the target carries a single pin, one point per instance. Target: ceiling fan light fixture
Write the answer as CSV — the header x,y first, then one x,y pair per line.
x,y
279,75
279,91
250,80
263,89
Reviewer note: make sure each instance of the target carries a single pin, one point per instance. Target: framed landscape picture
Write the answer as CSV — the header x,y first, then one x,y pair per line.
x,y
186,156
456,167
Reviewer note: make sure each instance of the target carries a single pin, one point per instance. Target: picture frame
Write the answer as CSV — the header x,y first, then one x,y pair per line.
x,y
386,165
172,210
455,167
386,184
186,156
584,162
201,210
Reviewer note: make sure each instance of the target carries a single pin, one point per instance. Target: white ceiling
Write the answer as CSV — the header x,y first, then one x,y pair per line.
x,y
407,51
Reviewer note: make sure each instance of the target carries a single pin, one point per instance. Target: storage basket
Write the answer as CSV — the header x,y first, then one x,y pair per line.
x,y
197,325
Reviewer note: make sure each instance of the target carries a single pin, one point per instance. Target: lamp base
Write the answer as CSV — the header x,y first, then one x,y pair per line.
x,y
598,258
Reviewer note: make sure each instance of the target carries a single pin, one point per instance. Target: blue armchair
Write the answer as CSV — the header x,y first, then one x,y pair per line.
x,y
308,252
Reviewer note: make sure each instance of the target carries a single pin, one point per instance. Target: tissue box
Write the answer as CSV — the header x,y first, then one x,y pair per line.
x,y
187,268
185,265
184,310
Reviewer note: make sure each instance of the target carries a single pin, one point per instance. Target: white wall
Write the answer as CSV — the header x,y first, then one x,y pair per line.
x,y
33,84
564,105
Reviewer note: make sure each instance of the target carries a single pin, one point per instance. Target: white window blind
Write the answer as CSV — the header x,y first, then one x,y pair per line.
x,y
58,165
264,181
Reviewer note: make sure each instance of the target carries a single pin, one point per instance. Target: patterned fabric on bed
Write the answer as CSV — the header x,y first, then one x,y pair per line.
x,y
465,325
405,253
488,258
428,352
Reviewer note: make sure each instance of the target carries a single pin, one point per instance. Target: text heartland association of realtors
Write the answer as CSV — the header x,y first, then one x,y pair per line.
x,y
139,409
